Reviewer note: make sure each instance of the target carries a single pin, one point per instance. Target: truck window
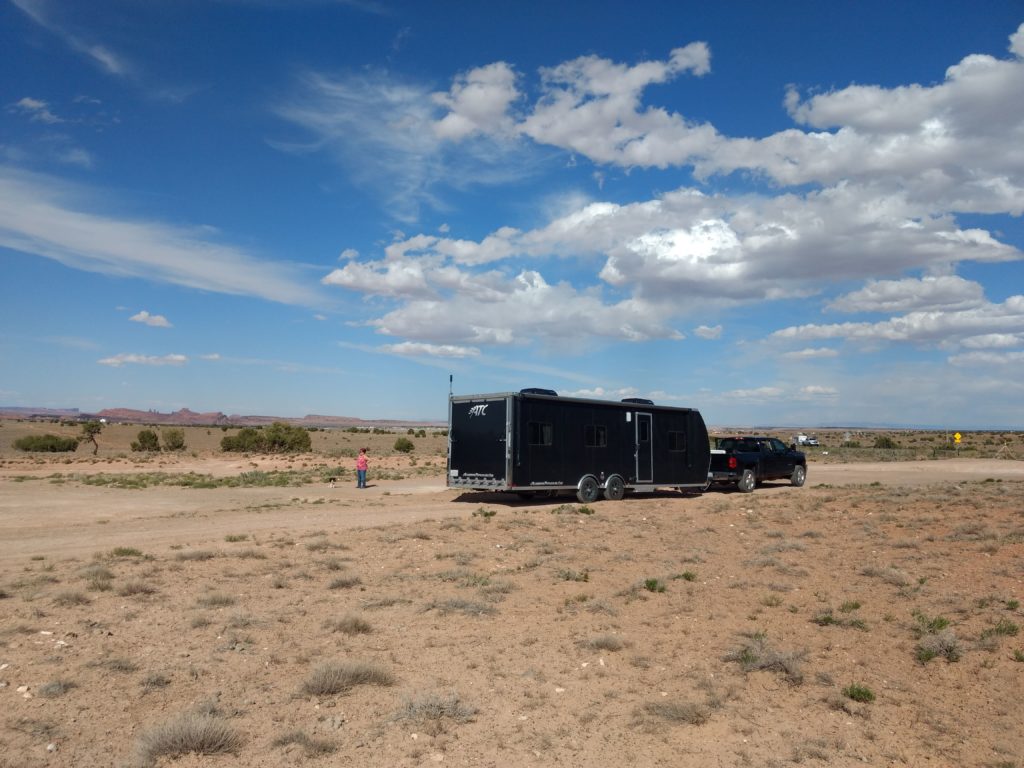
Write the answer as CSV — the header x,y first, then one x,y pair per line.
x,y
778,446
595,436
539,433
677,441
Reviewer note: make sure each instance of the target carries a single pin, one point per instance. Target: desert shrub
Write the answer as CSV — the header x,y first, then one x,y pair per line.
x,y
431,709
190,733
173,439
886,442
333,677
46,443
312,747
860,693
679,712
350,625
403,445
55,688
756,654
146,441
277,438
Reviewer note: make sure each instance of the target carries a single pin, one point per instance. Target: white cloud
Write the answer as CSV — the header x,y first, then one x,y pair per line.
x,y
708,332
994,341
36,109
600,393
155,321
922,327
478,102
125,359
591,106
812,391
381,130
348,254
54,21
946,292
416,349
756,394
811,353
45,217
982,360
212,356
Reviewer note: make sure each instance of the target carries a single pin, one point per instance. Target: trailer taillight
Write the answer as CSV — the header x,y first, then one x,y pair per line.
x,y
732,462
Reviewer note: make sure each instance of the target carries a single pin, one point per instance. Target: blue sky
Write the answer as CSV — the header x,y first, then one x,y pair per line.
x,y
804,216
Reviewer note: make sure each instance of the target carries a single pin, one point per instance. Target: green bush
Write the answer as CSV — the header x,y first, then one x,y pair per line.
x,y
403,445
277,438
47,443
146,441
886,442
174,439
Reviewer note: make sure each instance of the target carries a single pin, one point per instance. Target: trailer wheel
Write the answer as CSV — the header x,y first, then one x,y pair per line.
x,y
588,490
799,476
614,489
747,481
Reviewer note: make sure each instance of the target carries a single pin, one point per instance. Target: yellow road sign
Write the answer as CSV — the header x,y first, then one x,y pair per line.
x,y
956,438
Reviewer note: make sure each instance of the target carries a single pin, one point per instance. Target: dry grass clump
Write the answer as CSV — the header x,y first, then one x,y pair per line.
x,y
679,711
190,733
604,643
345,582
431,710
333,677
458,605
55,688
195,554
312,747
215,600
70,598
130,588
890,575
350,625
756,654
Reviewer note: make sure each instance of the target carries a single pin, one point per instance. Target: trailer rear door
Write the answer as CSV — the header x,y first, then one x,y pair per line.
x,y
644,449
478,451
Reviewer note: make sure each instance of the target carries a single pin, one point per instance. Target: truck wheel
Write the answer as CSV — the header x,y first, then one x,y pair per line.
x,y
799,475
614,489
747,481
588,490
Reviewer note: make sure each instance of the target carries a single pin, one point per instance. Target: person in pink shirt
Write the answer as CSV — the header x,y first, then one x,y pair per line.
x,y
362,464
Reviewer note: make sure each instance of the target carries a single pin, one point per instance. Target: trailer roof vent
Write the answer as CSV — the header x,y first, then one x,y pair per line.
x,y
538,391
638,400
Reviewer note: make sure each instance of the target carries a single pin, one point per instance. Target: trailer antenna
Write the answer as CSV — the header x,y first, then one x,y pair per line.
x,y
450,377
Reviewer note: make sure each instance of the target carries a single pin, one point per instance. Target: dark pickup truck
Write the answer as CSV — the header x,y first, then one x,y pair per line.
x,y
746,461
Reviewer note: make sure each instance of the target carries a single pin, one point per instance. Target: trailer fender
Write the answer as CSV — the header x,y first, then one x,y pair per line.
x,y
588,489
614,488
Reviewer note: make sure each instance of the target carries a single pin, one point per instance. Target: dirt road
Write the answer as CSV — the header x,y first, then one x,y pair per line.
x,y
70,519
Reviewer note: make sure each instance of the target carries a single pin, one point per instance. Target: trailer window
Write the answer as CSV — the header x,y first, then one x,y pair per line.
x,y
677,441
540,433
645,431
595,436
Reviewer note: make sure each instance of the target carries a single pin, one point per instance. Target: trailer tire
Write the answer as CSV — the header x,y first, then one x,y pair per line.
x,y
747,482
588,490
799,476
614,489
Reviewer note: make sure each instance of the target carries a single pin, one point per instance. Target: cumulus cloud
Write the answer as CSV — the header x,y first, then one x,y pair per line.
x,y
942,293
708,332
601,393
811,353
816,390
212,356
44,217
922,327
987,359
477,102
155,321
117,361
418,349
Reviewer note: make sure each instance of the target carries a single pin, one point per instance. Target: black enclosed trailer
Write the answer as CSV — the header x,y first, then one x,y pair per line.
x,y
535,441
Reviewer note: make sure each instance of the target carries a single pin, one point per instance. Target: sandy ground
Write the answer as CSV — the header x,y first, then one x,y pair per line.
x,y
709,630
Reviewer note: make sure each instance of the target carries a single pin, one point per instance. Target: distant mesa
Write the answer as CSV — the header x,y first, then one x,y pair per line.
x,y
189,418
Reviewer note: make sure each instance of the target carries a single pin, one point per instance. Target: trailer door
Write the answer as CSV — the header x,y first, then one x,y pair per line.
x,y
478,442
644,452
